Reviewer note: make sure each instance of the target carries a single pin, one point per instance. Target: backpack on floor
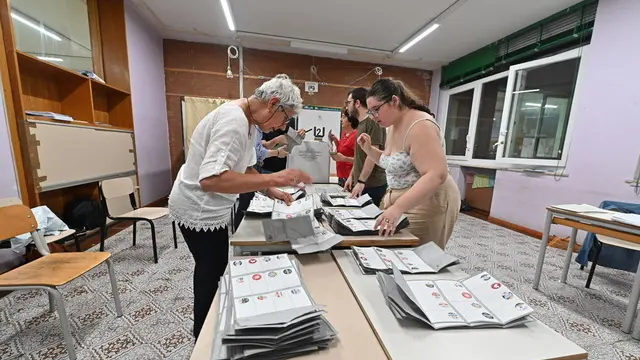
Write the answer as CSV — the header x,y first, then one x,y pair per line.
x,y
84,214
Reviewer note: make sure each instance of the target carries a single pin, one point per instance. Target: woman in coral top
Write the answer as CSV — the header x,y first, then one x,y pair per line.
x,y
345,146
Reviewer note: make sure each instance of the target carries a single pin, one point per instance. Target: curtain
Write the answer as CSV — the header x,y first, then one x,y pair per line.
x,y
193,110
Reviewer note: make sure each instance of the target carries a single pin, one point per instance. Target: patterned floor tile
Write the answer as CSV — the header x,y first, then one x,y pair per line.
x,y
174,342
52,352
117,347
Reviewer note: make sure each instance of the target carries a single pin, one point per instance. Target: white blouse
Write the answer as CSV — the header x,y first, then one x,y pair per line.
x,y
223,140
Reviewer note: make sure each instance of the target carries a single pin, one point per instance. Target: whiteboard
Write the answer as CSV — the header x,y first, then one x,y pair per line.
x,y
65,155
320,120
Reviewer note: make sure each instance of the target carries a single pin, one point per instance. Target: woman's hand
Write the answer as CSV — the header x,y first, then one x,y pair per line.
x,y
274,193
357,190
348,184
302,132
387,221
332,137
282,153
290,177
338,157
364,140
281,140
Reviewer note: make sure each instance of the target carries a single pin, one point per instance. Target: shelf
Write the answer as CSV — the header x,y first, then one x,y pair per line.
x,y
111,106
28,62
97,85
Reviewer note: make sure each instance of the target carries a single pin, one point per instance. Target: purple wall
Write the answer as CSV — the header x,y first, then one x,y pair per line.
x,y
606,134
8,184
146,66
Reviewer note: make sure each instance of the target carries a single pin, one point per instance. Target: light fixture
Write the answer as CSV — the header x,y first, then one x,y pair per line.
x,y
526,91
419,37
36,26
227,14
538,105
318,47
48,58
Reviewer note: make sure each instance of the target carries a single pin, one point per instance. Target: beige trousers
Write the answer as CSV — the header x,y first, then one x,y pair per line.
x,y
434,218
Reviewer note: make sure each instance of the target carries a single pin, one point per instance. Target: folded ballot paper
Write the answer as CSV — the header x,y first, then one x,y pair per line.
x,y
338,200
266,312
263,206
477,302
424,259
355,222
296,224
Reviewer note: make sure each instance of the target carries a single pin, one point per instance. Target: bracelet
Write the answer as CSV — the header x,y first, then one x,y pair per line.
x,y
362,182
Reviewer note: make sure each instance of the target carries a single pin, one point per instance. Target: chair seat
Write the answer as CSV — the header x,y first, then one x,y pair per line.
x,y
53,238
618,243
53,270
149,213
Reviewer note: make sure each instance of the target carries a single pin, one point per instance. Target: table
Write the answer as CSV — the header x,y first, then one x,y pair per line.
x,y
533,340
249,237
356,339
596,223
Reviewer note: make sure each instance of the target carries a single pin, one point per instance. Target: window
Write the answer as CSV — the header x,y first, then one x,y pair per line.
x,y
458,119
518,117
54,30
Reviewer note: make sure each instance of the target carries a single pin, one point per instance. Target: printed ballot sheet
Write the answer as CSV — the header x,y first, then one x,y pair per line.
x,y
427,258
346,202
322,240
260,204
478,301
267,284
367,212
300,207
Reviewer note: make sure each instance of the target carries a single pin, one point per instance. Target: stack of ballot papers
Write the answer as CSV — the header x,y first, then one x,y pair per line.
x,y
266,312
354,222
478,302
629,219
339,200
297,225
424,259
260,205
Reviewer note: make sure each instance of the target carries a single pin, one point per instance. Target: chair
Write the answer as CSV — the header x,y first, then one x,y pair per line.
x,y
51,270
119,201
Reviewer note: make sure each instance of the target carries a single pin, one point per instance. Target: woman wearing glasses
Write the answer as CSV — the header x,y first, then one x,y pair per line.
x,y
419,182
217,169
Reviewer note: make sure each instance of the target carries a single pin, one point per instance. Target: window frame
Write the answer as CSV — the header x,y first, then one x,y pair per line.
x,y
501,160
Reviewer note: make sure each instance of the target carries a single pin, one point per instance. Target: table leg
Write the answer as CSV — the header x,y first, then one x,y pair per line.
x,y
631,308
567,257
543,249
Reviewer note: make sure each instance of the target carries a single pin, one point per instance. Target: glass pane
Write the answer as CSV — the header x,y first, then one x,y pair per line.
x,y
489,119
54,30
458,118
540,110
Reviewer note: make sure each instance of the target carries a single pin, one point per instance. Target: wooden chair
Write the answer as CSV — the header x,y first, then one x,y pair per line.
x,y
119,201
51,270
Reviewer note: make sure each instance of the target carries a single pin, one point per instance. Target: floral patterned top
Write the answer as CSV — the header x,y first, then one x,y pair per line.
x,y
401,173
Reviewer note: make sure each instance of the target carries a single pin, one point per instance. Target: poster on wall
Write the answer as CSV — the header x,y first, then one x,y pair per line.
x,y
319,120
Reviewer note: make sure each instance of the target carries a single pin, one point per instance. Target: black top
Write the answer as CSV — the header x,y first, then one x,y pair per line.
x,y
275,164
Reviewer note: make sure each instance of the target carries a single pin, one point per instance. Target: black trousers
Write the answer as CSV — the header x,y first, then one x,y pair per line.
x,y
244,200
210,250
376,193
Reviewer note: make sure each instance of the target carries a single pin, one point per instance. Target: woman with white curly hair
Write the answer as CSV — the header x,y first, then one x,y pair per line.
x,y
217,169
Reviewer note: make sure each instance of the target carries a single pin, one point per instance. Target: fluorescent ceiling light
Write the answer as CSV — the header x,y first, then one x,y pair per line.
x,y
421,36
36,26
47,58
526,91
538,105
227,14
318,47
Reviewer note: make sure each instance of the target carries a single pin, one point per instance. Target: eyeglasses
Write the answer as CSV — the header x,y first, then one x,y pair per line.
x,y
347,102
373,112
286,116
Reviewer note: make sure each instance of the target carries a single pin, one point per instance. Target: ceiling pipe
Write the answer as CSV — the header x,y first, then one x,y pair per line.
x,y
246,34
241,72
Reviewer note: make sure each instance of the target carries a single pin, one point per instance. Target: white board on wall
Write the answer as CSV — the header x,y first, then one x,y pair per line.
x,y
319,120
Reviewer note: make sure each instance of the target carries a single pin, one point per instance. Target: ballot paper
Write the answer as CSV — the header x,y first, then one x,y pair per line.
x,y
356,227
266,312
296,224
367,212
424,259
260,205
479,301
347,202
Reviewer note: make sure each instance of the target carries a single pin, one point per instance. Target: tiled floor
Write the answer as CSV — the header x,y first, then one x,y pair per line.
x,y
157,299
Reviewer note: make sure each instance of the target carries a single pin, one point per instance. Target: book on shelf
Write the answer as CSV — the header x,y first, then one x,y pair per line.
x,y
480,301
428,258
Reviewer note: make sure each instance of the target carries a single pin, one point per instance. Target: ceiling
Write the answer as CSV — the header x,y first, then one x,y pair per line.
x,y
465,25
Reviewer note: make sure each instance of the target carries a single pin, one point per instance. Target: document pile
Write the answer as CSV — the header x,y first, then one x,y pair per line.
x,y
297,225
266,312
479,302
424,259
359,221
260,206
339,200
629,219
